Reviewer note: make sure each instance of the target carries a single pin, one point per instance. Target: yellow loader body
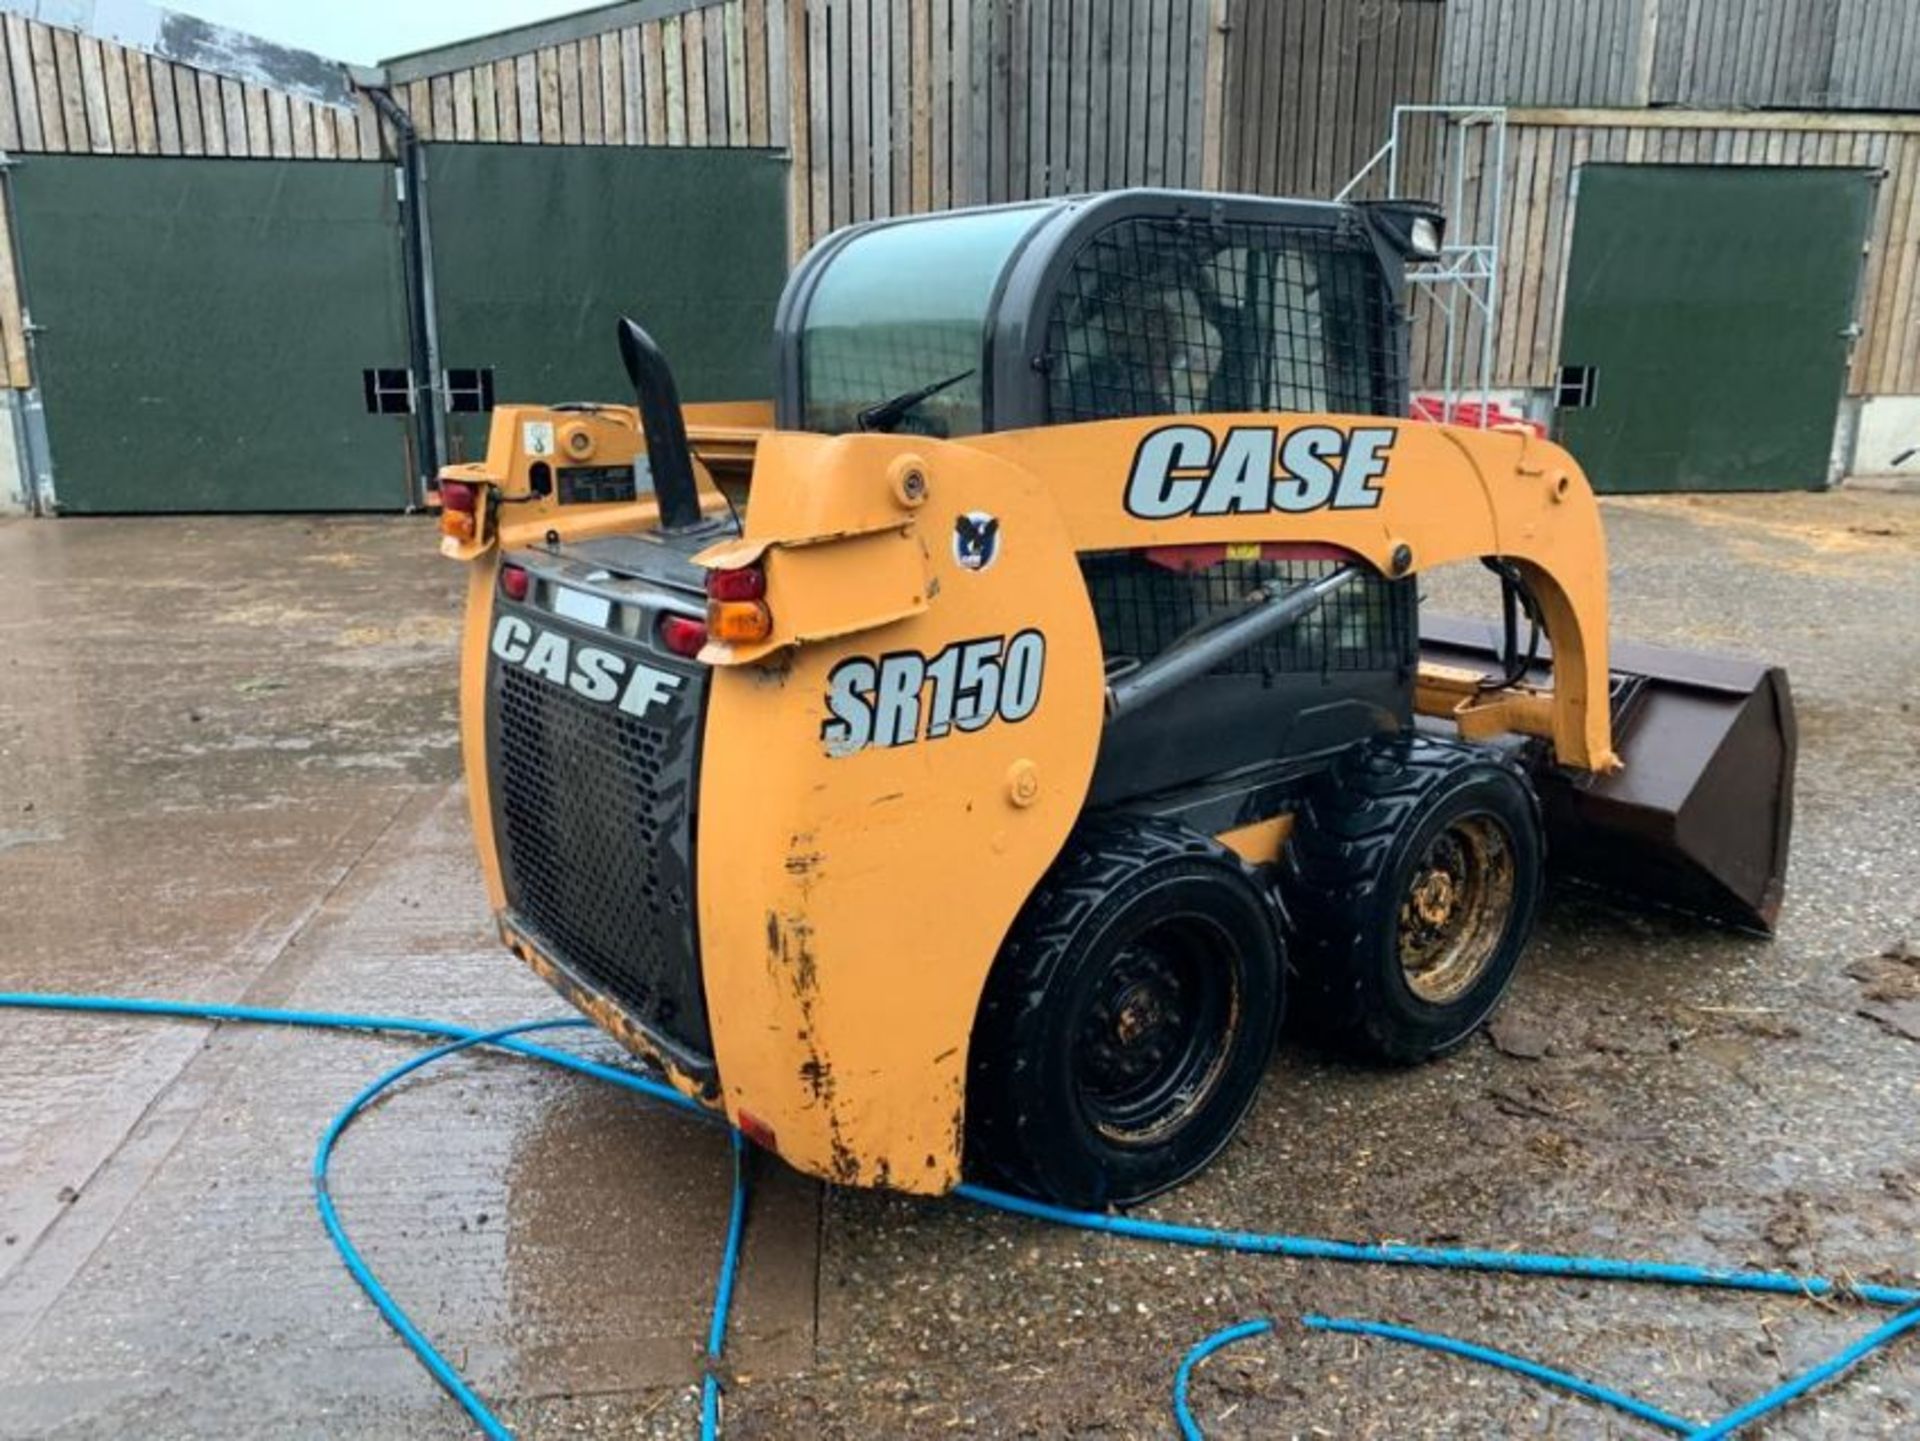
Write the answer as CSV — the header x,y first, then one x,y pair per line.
x,y
978,802
852,900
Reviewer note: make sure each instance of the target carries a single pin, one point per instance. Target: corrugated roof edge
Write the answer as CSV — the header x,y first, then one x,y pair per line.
x,y
190,40
525,39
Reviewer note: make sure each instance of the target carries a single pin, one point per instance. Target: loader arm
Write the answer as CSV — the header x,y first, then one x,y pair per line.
x,y
853,979
1430,495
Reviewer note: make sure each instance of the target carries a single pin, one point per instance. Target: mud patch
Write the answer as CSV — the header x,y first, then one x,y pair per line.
x,y
1890,989
409,630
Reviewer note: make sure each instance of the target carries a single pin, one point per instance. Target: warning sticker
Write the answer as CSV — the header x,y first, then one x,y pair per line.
x,y
536,437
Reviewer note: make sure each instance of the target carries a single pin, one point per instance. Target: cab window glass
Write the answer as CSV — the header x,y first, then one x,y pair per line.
x,y
904,306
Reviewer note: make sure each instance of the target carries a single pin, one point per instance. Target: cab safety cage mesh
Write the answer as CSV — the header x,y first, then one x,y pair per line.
x,y
1168,316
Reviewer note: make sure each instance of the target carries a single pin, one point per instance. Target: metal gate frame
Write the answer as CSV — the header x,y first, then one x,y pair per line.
x,y
1465,277
36,214
1838,430
28,417
427,428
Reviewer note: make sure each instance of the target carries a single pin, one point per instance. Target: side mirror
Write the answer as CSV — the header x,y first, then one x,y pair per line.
x,y
1415,228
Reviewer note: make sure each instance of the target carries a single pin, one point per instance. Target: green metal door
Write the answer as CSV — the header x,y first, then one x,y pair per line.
x,y
203,329
538,250
1707,320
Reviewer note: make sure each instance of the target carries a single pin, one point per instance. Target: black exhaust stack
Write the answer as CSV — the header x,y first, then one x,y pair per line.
x,y
668,455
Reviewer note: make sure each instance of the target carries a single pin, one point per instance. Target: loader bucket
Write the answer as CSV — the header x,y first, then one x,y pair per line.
x,y
1699,816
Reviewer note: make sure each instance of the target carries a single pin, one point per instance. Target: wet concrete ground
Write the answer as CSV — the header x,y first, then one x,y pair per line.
x,y
228,772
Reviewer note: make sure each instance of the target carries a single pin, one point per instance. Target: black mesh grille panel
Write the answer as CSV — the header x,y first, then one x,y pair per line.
x,y
593,810
1142,607
1182,317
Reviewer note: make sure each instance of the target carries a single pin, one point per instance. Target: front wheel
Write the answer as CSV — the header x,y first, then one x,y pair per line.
x,y
1413,875
1129,1019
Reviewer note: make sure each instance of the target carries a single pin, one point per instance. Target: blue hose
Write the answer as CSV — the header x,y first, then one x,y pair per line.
x,y
723,1295
1309,1248
1183,1378
1518,1263
1505,1361
346,1021
430,1357
460,1038
1808,1379
1597,1268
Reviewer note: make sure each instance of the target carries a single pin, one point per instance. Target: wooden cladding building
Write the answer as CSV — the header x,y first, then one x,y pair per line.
x,y
1785,84
62,91
894,106
1703,54
888,107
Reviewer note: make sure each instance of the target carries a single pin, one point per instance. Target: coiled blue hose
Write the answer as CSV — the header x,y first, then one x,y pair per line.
x,y
1515,1263
1505,1361
1183,1377
459,1038
437,1365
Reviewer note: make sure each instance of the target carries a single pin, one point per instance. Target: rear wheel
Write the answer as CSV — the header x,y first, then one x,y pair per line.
x,y
1129,1019
1413,877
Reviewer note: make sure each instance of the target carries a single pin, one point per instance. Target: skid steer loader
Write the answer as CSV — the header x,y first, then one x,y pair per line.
x,y
1058,709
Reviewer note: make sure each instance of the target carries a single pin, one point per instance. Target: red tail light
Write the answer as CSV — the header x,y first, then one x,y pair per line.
x,y
515,582
759,1132
457,496
682,635
747,583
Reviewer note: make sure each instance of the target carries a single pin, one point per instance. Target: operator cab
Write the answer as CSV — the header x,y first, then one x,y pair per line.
x,y
1136,303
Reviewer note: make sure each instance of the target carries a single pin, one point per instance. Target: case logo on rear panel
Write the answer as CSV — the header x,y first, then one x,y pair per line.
x,y
586,670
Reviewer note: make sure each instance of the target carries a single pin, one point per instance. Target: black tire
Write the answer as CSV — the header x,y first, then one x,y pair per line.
x,y
1128,1020
1412,880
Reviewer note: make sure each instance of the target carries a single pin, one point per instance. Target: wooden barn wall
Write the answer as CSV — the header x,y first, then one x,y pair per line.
x,y
1537,225
888,106
1722,54
1311,86
1876,56
64,91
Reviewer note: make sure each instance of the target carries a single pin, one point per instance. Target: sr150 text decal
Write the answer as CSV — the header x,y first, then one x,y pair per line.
x,y
904,696
1178,471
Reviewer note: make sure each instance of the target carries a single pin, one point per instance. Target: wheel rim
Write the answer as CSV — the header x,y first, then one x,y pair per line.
x,y
1456,909
1154,1040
